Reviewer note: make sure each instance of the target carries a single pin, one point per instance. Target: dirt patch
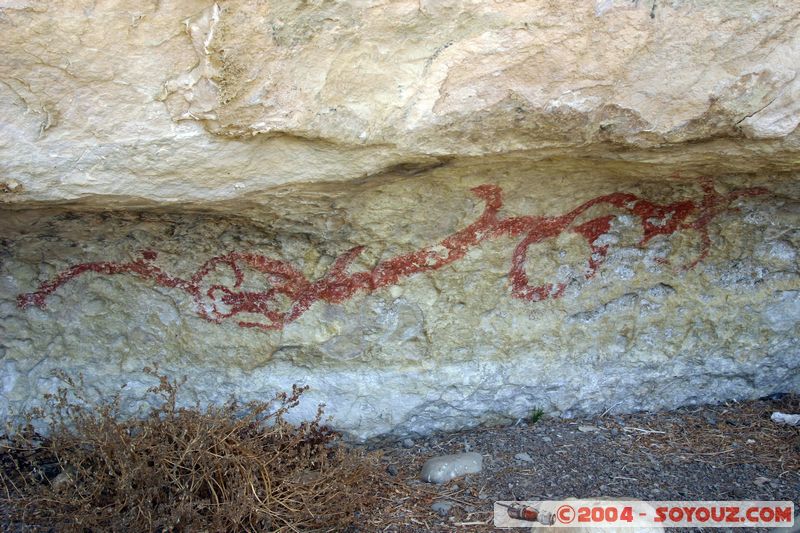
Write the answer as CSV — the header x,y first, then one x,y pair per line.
x,y
725,452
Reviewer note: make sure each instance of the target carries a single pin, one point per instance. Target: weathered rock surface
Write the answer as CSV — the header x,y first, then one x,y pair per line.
x,y
448,467
411,305
433,213
180,100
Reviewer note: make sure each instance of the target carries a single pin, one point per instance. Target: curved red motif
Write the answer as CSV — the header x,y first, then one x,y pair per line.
x,y
288,284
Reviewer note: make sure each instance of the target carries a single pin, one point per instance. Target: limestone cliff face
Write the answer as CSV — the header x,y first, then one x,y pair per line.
x,y
416,305
433,213
182,100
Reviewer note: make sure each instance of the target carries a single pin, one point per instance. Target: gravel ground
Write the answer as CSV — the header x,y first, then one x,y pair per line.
x,y
725,452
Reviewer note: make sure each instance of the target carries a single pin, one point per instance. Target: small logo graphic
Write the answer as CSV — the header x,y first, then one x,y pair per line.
x,y
526,513
566,514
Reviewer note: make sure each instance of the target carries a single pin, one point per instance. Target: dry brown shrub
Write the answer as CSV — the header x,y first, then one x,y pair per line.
x,y
239,467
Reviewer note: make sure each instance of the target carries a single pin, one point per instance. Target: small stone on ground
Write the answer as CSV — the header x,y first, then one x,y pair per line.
x,y
442,507
447,467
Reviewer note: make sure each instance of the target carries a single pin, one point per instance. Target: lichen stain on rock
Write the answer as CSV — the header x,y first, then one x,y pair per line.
x,y
287,285
10,187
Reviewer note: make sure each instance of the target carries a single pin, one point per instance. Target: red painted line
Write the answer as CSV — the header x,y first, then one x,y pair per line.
x,y
288,284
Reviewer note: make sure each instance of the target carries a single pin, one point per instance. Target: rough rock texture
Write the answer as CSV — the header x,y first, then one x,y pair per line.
x,y
445,468
182,100
412,305
433,213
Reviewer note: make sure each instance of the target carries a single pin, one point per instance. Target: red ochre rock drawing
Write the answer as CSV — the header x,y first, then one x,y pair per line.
x,y
288,288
